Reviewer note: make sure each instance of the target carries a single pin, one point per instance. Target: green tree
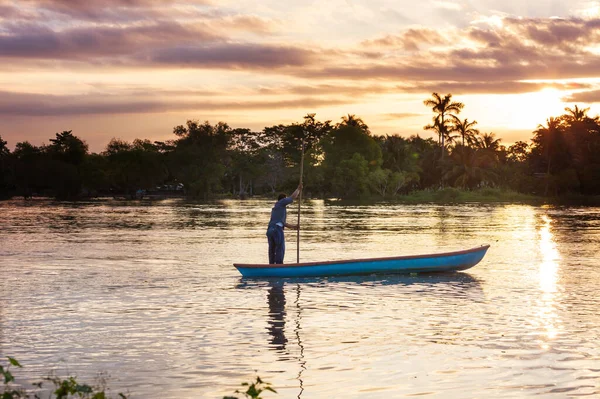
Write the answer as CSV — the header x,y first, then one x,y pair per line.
x,y
379,181
198,160
399,154
282,145
428,161
353,120
246,162
133,166
350,177
471,167
341,145
518,152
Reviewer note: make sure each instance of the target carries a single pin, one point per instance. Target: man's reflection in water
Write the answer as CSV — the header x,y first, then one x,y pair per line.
x,y
276,299
277,315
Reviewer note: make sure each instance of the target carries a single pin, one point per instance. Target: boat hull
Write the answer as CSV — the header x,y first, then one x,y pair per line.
x,y
442,262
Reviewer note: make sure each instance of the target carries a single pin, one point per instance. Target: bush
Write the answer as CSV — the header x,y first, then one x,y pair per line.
x,y
449,194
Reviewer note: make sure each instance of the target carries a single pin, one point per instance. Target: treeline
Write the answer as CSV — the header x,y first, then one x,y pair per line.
x,y
342,160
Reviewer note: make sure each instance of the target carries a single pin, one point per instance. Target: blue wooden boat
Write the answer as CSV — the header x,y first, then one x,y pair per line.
x,y
441,262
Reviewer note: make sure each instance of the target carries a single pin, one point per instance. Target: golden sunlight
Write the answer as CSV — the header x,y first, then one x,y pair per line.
x,y
550,255
532,109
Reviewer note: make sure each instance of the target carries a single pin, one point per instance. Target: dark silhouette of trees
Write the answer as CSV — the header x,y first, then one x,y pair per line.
x,y
443,107
466,129
198,160
343,161
246,160
30,170
68,148
4,151
488,141
6,170
576,114
549,144
133,166
353,120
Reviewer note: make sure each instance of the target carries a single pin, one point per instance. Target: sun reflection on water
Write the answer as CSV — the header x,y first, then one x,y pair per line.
x,y
548,273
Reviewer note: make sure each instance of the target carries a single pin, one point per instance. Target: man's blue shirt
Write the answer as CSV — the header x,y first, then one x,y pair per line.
x,y
279,212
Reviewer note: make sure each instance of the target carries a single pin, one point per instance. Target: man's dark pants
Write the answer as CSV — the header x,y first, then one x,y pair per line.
x,y
276,244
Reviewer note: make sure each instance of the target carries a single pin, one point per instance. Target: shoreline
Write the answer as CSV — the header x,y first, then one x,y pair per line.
x,y
442,196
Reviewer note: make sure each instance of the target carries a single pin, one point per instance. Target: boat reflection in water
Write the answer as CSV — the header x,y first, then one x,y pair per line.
x,y
282,313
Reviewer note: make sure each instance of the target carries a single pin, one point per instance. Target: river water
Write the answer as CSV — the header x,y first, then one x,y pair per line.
x,y
145,292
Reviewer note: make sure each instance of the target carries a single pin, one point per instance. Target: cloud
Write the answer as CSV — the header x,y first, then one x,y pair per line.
x,y
555,31
230,55
510,56
402,115
589,97
500,87
426,87
328,89
515,50
113,10
43,105
30,40
410,40
448,5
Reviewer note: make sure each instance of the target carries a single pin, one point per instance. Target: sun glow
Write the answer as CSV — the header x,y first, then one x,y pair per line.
x,y
516,111
534,108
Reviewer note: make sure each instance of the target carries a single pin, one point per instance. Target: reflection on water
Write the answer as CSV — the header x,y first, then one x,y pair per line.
x,y
276,301
550,257
548,281
467,285
301,360
147,292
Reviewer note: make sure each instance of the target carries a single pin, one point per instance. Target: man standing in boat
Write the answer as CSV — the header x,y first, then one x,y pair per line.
x,y
277,224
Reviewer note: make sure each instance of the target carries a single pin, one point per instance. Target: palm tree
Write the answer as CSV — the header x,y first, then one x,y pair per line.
x,y
398,154
466,129
488,141
579,131
436,127
443,107
576,114
471,167
545,137
353,120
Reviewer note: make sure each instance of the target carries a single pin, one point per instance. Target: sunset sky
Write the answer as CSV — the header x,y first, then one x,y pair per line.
x,y
137,68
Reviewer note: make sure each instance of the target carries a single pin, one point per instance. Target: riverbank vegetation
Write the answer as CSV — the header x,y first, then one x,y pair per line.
x,y
62,388
66,388
342,160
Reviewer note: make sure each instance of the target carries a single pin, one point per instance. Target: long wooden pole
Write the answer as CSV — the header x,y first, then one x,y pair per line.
x,y
299,202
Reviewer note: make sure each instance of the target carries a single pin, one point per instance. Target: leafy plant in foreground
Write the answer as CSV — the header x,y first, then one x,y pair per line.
x,y
254,390
64,388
